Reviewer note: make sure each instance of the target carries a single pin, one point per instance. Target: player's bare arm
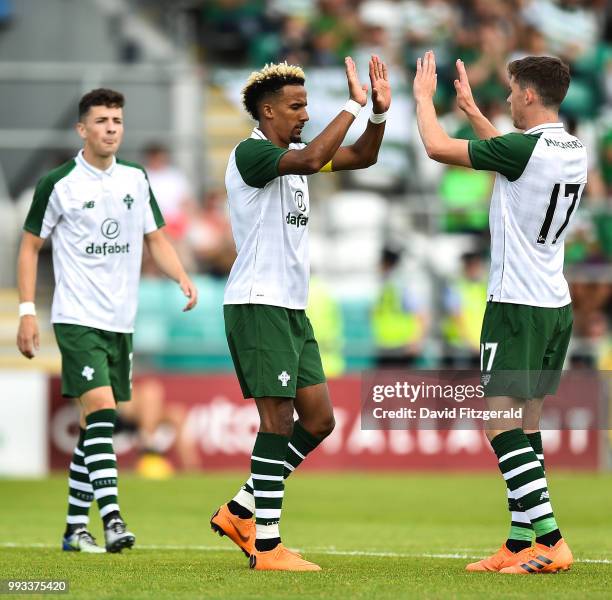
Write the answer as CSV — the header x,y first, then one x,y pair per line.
x,y
165,257
483,128
364,152
27,264
438,144
323,148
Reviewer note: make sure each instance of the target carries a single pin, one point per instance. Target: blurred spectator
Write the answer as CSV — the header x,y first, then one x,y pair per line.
x,y
292,44
326,318
486,64
593,347
334,29
378,19
464,301
229,27
211,237
531,42
430,25
605,157
571,29
174,197
589,298
399,317
465,194
146,414
569,26
304,9
595,191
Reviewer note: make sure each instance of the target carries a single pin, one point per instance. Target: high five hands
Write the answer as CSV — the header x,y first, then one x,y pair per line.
x,y
426,79
381,89
465,99
379,80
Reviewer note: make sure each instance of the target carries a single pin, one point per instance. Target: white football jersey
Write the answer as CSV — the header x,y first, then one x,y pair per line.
x,y
269,216
541,175
96,220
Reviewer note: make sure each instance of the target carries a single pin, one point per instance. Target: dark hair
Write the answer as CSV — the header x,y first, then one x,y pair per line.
x,y
100,97
471,257
547,75
153,148
390,255
256,91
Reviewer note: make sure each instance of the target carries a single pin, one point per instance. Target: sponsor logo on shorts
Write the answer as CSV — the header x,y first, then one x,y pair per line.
x,y
89,204
297,220
88,372
299,201
284,377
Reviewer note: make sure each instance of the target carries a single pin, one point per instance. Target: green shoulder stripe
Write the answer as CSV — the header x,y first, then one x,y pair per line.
x,y
129,163
257,161
42,193
157,215
506,154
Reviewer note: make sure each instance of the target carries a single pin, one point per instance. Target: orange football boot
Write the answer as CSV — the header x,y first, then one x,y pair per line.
x,y
543,559
501,559
240,531
280,559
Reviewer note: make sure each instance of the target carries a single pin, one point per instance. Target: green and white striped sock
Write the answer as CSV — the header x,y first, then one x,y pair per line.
x,y
301,444
520,526
267,464
100,459
80,491
525,478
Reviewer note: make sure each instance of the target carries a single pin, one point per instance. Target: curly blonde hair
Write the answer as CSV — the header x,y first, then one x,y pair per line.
x,y
269,80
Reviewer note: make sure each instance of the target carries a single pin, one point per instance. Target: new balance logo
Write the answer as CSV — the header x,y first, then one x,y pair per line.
x,y
128,201
89,204
88,373
544,495
284,377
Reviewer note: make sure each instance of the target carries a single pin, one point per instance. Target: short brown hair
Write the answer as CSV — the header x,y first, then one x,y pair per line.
x,y
547,75
100,97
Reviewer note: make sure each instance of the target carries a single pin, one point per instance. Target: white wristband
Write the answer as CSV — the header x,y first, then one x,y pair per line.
x,y
27,308
378,118
352,107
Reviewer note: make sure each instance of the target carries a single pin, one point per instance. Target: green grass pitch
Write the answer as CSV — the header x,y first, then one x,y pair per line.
x,y
376,536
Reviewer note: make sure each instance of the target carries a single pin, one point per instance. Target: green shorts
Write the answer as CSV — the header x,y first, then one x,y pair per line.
x,y
273,348
523,348
93,358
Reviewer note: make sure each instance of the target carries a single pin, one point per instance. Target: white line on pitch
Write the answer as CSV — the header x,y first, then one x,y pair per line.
x,y
314,550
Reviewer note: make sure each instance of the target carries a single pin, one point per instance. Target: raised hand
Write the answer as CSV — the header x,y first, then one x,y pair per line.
x,y
381,89
357,91
465,99
425,80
